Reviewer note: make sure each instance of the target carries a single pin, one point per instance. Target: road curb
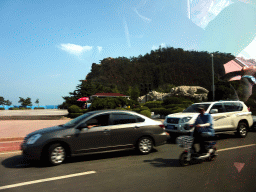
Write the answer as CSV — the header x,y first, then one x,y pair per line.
x,y
38,117
11,139
7,146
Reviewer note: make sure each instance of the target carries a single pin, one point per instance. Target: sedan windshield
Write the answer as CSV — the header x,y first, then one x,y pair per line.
x,y
77,120
193,108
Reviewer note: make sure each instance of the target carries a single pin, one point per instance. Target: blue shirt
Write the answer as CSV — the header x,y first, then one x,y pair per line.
x,y
205,118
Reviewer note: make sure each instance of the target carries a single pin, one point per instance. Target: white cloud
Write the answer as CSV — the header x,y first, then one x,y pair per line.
x,y
126,30
99,48
75,49
142,17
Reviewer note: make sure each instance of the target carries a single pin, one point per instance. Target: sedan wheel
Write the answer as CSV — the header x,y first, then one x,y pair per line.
x,y
57,154
242,130
145,145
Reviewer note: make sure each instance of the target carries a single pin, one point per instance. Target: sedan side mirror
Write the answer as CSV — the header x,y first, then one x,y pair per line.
x,y
214,111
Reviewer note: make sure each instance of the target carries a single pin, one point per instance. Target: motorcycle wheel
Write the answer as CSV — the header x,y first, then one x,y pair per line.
x,y
183,159
212,156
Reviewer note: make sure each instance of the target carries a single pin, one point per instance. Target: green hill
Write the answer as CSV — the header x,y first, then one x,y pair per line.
x,y
160,67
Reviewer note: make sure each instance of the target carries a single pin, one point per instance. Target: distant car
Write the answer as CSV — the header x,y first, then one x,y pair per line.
x,y
95,131
228,116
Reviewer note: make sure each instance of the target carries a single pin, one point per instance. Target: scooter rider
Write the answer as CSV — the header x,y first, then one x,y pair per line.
x,y
203,124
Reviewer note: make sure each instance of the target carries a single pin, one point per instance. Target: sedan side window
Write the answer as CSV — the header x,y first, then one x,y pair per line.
x,y
139,119
99,120
122,118
219,107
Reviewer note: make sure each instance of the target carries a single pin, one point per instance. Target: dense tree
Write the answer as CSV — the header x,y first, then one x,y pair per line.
x,y
37,102
135,93
25,102
8,103
2,102
163,68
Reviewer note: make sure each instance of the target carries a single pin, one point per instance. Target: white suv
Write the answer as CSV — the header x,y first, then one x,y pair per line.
x,y
227,115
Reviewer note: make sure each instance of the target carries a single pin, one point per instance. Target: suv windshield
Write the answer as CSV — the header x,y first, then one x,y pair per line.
x,y
193,108
77,120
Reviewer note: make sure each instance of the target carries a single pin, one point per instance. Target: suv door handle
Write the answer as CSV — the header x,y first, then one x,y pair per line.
x,y
136,127
106,130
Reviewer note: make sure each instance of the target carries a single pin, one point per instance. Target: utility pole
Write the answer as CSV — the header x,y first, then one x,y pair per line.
x,y
213,88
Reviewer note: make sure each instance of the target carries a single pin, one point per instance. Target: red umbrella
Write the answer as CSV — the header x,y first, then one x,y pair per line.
x,y
83,99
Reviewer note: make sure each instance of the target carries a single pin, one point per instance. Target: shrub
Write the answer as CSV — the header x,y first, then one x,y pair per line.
x,y
74,109
157,111
172,100
136,110
146,113
161,111
144,108
74,115
139,109
153,104
120,108
187,103
39,108
170,106
16,108
178,110
105,103
1,108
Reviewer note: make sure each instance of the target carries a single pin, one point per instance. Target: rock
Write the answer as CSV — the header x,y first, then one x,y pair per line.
x,y
189,91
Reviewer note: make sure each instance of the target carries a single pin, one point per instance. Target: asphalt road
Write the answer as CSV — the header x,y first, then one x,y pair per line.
x,y
233,170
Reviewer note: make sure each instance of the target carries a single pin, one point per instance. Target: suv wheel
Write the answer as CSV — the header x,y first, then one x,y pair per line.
x,y
242,130
145,145
56,154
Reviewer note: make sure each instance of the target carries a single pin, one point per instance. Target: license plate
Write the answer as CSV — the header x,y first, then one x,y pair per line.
x,y
170,126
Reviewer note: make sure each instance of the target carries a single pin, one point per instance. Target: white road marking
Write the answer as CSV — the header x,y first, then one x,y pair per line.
x,y
219,150
45,180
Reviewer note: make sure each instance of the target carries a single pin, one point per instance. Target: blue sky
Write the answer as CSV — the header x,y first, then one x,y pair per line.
x,y
48,46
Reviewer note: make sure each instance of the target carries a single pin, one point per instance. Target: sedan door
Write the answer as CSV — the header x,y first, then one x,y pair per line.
x,y
96,138
124,129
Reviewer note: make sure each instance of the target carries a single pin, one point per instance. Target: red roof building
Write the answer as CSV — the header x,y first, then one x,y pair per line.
x,y
104,95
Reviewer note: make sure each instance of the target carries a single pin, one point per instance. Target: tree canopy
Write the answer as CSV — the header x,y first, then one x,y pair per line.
x,y
25,102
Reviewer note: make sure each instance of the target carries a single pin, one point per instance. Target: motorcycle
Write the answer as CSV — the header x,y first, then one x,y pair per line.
x,y
189,155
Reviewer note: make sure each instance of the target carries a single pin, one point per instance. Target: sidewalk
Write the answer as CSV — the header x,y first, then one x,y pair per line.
x,y
12,132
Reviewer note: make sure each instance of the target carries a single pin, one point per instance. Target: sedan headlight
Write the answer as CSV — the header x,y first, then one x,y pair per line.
x,y
185,119
33,139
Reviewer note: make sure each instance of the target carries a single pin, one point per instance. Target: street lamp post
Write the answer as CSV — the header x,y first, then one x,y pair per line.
x,y
213,88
